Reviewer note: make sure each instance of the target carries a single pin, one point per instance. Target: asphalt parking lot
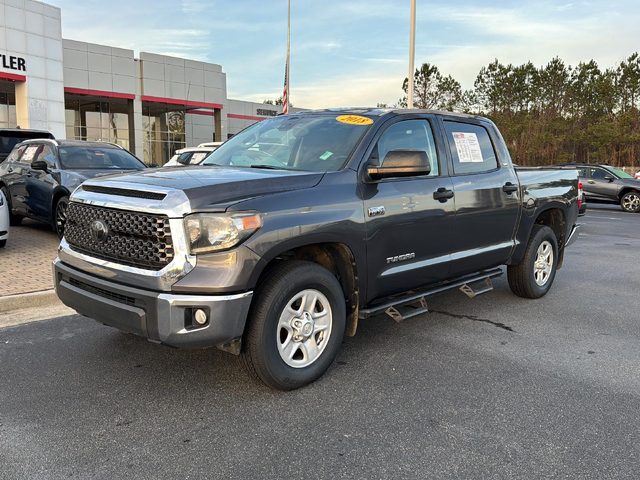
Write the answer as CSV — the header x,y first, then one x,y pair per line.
x,y
494,387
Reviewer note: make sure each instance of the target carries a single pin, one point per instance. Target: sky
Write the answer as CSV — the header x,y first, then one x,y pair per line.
x,y
355,52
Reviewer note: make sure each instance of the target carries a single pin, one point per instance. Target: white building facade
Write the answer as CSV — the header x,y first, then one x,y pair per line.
x,y
151,105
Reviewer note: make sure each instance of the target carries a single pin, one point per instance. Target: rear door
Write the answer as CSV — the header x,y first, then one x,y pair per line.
x,y
487,197
408,230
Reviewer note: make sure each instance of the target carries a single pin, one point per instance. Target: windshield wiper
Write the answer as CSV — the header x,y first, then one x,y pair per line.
x,y
269,167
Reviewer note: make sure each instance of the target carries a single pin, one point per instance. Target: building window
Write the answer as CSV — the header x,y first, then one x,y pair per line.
x,y
97,121
163,133
8,110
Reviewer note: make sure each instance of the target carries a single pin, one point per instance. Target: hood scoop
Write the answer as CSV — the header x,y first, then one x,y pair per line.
x,y
124,192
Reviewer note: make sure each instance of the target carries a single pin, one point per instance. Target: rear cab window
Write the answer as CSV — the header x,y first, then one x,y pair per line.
x,y
471,148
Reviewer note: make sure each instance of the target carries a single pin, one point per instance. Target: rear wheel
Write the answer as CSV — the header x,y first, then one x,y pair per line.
x,y
533,277
630,202
14,220
296,325
60,216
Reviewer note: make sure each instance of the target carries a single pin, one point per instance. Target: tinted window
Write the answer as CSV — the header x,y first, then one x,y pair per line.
x,y
471,148
582,172
98,158
599,173
409,135
46,154
8,140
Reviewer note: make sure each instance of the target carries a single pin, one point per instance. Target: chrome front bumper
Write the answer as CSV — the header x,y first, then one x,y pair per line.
x,y
158,316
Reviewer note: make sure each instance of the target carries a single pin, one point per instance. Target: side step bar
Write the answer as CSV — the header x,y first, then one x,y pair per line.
x,y
392,304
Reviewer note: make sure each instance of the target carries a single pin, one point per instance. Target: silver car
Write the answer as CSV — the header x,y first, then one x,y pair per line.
x,y
4,220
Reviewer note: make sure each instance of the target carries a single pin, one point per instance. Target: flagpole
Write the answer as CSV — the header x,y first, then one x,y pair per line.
x,y
286,88
412,52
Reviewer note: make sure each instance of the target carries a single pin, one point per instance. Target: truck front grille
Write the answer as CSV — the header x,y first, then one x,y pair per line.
x,y
131,238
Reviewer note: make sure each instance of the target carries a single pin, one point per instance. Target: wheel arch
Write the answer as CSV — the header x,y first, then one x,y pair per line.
x,y
58,193
626,190
337,257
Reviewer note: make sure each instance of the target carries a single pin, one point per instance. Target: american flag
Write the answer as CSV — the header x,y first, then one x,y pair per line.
x,y
285,94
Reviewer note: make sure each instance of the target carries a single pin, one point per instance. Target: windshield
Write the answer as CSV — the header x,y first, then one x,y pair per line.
x,y
318,143
620,173
98,158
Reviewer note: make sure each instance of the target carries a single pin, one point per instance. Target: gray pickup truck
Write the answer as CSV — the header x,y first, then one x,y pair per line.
x,y
303,224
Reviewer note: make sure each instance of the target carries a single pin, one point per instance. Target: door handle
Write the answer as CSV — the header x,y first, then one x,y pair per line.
x,y
509,188
443,194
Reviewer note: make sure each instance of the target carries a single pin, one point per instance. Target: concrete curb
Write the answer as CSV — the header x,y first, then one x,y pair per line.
x,y
28,300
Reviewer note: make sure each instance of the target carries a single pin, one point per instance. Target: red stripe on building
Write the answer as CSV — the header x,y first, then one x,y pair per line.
x,y
246,117
98,93
185,103
208,113
12,77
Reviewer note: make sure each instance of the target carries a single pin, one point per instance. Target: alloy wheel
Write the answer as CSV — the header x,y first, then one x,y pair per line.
x,y
543,265
304,328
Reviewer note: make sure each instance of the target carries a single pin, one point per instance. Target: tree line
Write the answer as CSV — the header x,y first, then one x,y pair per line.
x,y
551,114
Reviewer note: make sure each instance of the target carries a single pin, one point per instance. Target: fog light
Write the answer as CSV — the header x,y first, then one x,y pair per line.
x,y
200,316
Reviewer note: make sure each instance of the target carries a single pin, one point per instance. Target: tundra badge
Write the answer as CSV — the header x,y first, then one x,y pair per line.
x,y
376,211
400,258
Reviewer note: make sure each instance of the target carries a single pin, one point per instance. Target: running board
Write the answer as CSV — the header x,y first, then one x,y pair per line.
x,y
392,305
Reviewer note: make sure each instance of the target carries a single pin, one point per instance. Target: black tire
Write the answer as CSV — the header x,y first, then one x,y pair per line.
x,y
279,287
521,277
60,215
630,202
14,220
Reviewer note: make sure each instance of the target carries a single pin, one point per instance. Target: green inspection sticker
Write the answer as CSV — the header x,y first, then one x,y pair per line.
x,y
325,155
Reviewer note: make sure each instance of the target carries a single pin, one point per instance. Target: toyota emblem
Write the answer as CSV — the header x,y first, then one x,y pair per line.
x,y
99,231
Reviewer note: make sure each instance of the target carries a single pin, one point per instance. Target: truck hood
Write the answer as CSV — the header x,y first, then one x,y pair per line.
x,y
215,187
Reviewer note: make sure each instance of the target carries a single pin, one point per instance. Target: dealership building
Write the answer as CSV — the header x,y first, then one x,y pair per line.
x,y
151,105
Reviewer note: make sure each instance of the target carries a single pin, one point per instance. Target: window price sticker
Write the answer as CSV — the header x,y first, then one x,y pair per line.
x,y
468,147
29,153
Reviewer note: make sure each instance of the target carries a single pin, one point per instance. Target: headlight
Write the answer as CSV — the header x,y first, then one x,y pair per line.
x,y
214,232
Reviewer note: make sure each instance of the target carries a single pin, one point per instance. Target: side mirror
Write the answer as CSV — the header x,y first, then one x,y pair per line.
x,y
40,165
401,163
610,178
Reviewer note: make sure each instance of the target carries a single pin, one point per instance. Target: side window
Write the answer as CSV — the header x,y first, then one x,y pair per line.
x,y
410,135
47,155
29,154
582,172
16,153
598,173
471,148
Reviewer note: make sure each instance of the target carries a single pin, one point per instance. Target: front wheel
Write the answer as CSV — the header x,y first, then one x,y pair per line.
x,y
533,277
630,202
296,325
60,216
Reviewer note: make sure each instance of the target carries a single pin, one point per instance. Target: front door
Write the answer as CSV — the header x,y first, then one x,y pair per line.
x,y
17,178
39,185
408,230
487,199
601,184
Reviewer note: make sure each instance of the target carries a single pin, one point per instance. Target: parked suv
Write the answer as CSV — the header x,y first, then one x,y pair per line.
x,y
10,137
276,253
39,175
605,184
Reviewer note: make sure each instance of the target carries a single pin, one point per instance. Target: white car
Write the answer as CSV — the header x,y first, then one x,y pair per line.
x,y
638,175
189,156
211,144
4,220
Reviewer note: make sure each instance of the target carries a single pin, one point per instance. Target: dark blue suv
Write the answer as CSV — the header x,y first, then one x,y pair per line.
x,y
39,175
